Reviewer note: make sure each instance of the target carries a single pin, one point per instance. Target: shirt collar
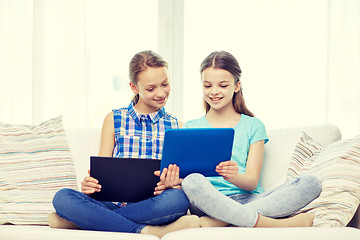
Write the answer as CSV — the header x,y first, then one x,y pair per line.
x,y
152,117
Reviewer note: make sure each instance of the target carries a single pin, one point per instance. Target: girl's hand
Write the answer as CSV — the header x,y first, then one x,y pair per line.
x,y
161,187
227,169
90,185
169,178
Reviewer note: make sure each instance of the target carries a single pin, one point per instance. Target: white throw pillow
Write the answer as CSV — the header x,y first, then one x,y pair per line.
x,y
337,166
35,162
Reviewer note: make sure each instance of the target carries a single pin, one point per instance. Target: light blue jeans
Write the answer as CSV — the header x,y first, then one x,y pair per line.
x,y
90,214
243,209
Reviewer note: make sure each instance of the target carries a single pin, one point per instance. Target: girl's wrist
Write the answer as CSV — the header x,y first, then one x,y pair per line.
x,y
233,180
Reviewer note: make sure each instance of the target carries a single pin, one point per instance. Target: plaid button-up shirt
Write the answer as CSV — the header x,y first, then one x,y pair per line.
x,y
140,136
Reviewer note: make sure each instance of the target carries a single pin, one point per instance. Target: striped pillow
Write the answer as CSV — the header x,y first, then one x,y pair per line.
x,y
35,162
305,149
338,168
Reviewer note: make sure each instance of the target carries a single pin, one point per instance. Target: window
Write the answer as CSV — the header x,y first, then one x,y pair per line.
x,y
300,58
115,31
281,48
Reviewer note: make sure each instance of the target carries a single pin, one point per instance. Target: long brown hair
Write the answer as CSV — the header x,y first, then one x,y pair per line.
x,y
142,61
226,61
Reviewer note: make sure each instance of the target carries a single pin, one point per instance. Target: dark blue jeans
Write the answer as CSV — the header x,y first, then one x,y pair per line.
x,y
90,214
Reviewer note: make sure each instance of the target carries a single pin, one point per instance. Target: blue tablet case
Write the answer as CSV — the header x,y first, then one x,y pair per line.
x,y
197,150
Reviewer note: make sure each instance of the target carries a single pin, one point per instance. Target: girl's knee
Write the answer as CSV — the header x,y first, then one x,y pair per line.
x,y
191,181
312,182
175,193
177,197
62,196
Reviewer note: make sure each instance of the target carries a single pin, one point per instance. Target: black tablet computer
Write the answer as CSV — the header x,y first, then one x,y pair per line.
x,y
124,179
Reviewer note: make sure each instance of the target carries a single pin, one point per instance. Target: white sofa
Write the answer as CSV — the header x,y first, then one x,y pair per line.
x,y
278,153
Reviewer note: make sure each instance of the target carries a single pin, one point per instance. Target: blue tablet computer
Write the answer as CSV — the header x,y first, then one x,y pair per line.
x,y
197,150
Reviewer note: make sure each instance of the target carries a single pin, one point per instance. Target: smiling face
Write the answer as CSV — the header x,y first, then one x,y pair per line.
x,y
218,88
153,88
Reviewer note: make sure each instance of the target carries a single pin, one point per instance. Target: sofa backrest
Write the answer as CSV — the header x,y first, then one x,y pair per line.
x,y
85,142
282,143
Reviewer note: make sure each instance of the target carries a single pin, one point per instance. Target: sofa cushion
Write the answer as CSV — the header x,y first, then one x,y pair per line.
x,y
27,232
337,166
35,162
264,233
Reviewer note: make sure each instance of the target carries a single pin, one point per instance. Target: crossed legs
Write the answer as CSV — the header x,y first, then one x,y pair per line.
x,y
259,210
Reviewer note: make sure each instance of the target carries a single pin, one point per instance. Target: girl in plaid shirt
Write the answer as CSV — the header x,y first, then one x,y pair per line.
x,y
136,131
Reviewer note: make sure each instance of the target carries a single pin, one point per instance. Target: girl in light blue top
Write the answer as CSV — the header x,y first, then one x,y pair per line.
x,y
235,197
248,131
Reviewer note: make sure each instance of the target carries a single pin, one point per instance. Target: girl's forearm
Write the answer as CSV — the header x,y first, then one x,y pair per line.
x,y
247,181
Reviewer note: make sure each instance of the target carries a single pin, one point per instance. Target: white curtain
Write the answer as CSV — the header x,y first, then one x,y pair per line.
x,y
16,60
43,61
301,58
343,103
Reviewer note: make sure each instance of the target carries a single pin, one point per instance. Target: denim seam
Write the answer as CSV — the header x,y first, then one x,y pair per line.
x,y
175,215
138,230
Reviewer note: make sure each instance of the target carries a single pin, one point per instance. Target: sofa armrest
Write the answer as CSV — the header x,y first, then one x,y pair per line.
x,y
355,221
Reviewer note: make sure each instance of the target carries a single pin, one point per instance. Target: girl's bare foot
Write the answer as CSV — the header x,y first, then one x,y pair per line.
x,y
299,220
187,221
55,221
206,221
